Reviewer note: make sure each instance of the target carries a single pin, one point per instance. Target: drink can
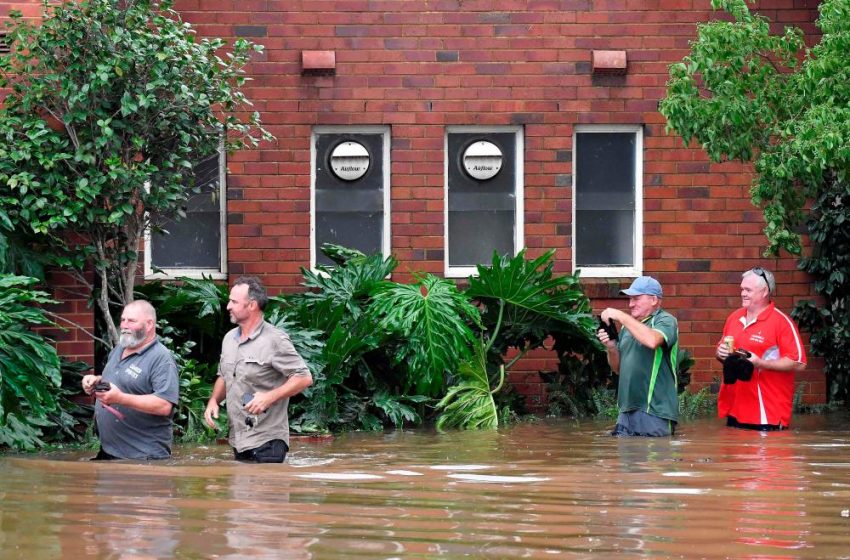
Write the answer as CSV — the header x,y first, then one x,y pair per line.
x,y
729,341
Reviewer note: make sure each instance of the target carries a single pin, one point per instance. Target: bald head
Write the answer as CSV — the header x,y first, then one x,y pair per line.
x,y
144,307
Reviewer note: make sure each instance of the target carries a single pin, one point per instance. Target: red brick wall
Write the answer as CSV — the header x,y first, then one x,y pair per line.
x,y
419,66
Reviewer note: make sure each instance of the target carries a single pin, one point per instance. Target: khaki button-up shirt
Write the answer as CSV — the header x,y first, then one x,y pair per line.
x,y
262,363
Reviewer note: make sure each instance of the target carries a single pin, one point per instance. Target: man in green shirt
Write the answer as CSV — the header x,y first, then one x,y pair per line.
x,y
645,357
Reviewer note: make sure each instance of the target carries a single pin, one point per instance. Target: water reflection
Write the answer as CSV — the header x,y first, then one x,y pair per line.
x,y
530,491
132,514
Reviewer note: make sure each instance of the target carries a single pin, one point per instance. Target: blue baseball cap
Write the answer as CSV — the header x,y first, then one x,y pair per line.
x,y
644,285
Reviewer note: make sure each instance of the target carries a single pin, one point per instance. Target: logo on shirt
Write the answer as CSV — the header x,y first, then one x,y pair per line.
x,y
133,371
757,338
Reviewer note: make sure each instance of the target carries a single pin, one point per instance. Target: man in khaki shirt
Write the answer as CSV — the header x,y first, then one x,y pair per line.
x,y
259,370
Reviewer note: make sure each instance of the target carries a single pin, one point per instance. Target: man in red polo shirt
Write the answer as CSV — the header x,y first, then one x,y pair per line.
x,y
762,402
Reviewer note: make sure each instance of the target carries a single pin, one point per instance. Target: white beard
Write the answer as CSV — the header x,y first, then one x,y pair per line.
x,y
131,339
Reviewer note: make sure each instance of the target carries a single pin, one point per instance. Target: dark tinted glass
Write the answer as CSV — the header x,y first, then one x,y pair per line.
x,y
482,214
349,213
193,241
605,199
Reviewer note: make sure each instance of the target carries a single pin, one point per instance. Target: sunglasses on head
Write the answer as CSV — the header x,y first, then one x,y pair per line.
x,y
759,271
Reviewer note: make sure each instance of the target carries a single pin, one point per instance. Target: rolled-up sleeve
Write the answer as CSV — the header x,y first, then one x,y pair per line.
x,y
286,359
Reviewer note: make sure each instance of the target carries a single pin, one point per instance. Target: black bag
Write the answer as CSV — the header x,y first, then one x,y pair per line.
x,y
737,367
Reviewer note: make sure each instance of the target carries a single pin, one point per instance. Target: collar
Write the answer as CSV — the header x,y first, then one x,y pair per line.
x,y
254,334
141,350
651,315
760,317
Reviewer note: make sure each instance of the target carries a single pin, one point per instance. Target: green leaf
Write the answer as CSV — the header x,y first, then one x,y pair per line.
x,y
433,316
469,404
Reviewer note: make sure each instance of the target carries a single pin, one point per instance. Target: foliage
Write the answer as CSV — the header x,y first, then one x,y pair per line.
x,y
379,351
605,403
195,380
29,367
469,404
431,316
524,305
352,366
746,94
695,405
16,257
684,362
110,103
195,309
829,264
740,95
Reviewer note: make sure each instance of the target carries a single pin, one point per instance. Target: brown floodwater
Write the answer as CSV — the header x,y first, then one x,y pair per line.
x,y
546,490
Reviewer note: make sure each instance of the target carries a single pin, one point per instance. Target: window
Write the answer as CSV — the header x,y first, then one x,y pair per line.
x,y
350,195
607,219
196,244
484,200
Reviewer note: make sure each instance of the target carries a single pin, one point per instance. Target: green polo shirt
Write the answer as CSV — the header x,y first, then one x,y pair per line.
x,y
647,376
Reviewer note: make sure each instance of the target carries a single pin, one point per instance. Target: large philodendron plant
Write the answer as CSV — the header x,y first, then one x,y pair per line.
x,y
523,303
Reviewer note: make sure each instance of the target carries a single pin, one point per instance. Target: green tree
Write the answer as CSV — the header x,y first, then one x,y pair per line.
x,y
744,93
110,104
29,368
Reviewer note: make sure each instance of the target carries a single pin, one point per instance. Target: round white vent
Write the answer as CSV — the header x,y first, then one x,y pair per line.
x,y
349,161
482,160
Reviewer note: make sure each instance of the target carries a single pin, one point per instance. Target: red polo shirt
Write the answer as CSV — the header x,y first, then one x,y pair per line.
x,y
766,398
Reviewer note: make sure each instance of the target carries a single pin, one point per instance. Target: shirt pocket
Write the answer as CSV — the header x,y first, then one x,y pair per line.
x,y
227,368
259,372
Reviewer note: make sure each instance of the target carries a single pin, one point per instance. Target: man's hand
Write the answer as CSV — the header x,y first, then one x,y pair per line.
x,y
112,396
603,337
260,403
722,351
211,414
89,381
608,316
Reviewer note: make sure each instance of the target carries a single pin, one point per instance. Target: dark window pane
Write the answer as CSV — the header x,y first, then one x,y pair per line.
x,y
193,241
605,199
604,237
349,213
477,234
482,214
357,230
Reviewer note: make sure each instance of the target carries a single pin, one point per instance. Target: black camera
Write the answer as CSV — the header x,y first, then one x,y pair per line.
x,y
102,386
609,328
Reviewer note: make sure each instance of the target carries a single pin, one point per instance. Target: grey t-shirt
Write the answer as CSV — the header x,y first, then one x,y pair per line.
x,y
139,435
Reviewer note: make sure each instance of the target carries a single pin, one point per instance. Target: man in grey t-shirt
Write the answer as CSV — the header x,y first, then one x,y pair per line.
x,y
137,391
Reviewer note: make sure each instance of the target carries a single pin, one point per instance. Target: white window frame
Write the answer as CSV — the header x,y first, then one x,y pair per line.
x,y
384,131
519,193
637,236
198,273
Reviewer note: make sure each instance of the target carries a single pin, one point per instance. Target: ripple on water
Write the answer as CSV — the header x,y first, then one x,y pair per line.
x,y
342,476
495,479
459,467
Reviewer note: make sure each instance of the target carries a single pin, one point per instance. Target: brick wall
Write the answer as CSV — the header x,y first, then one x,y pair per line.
x,y
420,66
